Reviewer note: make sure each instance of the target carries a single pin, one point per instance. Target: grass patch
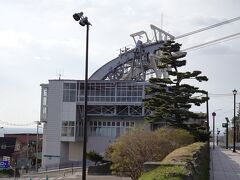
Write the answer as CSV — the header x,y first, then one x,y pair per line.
x,y
175,165
183,154
164,172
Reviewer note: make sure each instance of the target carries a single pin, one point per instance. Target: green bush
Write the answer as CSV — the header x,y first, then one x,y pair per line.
x,y
94,157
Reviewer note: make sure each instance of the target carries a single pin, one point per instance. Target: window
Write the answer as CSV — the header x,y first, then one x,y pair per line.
x,y
69,92
44,103
109,128
68,128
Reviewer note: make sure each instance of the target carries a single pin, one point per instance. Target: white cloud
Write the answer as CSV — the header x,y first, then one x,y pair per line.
x,y
13,39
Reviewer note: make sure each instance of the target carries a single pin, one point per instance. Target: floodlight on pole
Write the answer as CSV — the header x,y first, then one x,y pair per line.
x,y
84,21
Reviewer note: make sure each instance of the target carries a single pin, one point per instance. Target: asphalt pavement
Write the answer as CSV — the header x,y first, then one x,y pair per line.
x,y
225,164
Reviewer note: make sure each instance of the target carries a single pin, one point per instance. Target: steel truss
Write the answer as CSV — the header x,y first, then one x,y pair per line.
x,y
138,63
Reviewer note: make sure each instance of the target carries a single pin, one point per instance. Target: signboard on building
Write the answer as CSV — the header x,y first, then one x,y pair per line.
x,y
4,165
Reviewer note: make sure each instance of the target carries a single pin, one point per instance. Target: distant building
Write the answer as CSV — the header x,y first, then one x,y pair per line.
x,y
20,148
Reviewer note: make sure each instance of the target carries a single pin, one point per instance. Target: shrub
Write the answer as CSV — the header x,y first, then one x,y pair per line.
x,y
94,157
131,150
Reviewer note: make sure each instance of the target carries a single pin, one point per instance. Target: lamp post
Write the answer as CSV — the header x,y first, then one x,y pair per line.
x,y
217,135
38,123
234,120
84,21
227,132
213,115
207,115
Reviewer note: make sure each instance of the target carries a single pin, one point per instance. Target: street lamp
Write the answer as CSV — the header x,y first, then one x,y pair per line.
x,y
84,21
217,135
213,115
227,132
38,123
234,120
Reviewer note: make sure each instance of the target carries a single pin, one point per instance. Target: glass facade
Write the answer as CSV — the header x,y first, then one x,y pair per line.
x,y
111,92
109,128
69,92
112,98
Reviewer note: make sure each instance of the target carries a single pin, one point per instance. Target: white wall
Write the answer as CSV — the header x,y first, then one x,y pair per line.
x,y
75,151
53,126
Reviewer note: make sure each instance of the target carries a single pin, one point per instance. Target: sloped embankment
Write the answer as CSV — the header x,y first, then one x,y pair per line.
x,y
187,163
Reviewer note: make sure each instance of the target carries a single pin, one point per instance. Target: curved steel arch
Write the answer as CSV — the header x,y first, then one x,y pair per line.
x,y
122,66
137,63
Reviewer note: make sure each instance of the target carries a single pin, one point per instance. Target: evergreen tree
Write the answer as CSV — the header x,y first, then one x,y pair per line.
x,y
170,99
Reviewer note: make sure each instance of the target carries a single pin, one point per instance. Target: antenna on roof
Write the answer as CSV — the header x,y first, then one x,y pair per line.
x,y
59,74
161,20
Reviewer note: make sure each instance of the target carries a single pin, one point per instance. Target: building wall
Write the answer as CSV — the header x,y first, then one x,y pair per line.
x,y
75,151
99,144
119,112
52,128
64,152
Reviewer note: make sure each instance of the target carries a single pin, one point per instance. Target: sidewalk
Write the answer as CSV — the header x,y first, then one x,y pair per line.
x,y
224,164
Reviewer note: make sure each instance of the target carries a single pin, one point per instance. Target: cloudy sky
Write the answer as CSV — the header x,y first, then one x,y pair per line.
x,y
39,40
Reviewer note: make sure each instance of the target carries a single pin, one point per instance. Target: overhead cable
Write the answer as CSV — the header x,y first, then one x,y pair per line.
x,y
209,27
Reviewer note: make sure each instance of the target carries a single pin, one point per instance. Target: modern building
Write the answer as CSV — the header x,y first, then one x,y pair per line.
x,y
115,102
114,107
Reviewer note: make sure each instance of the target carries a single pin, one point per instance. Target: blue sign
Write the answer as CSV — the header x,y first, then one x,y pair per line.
x,y
4,164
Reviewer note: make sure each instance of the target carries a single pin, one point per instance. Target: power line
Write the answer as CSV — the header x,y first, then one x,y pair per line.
x,y
13,124
209,27
216,41
213,44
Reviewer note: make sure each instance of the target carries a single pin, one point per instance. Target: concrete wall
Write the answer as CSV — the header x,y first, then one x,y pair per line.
x,y
99,144
52,129
75,151
64,152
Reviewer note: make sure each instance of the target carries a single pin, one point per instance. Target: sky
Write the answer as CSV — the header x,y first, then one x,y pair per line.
x,y
39,40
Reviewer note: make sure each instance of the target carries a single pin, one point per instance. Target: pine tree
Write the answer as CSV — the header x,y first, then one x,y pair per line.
x,y
169,100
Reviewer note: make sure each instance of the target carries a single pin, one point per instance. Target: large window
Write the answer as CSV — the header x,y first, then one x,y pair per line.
x,y
68,128
44,103
111,92
109,128
69,92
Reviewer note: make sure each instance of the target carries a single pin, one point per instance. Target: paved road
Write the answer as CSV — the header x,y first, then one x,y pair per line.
x,y
71,177
225,165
